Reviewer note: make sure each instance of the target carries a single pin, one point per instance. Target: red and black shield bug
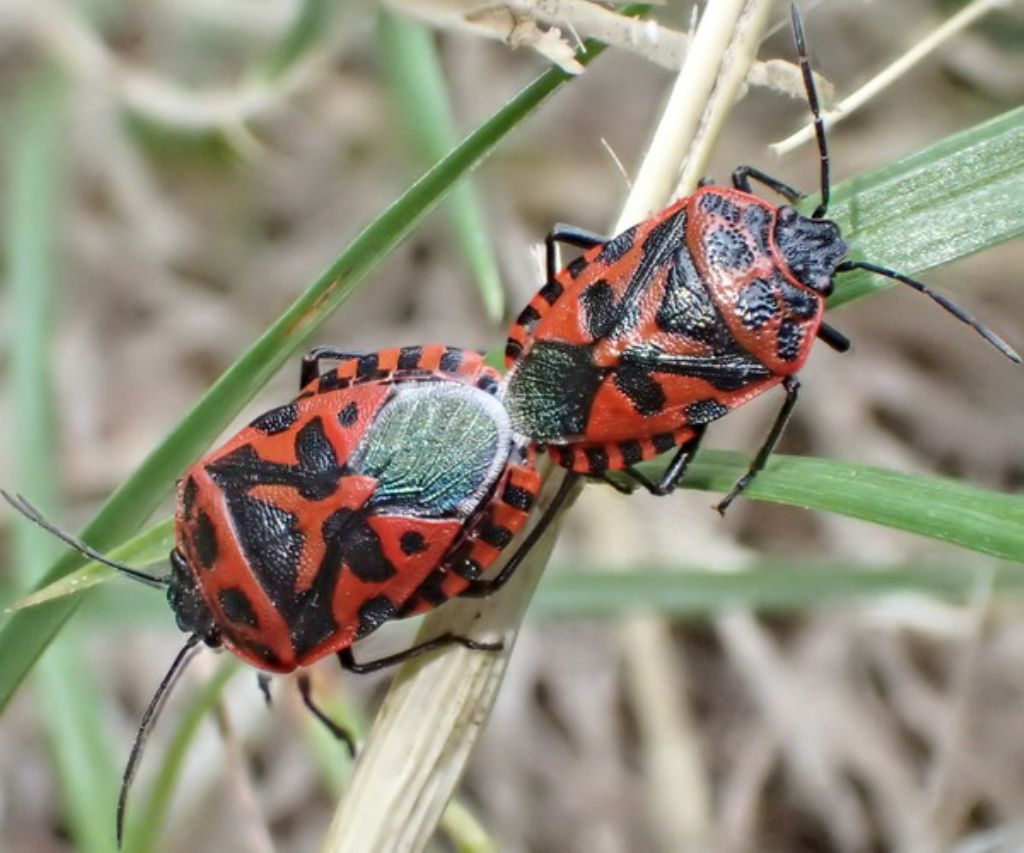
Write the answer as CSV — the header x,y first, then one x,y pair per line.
x,y
634,347
386,487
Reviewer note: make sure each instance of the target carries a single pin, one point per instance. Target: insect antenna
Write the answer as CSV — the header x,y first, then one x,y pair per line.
x,y
812,102
22,505
156,704
947,304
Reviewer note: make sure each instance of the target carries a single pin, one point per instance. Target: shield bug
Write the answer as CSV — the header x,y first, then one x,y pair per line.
x,y
637,345
386,487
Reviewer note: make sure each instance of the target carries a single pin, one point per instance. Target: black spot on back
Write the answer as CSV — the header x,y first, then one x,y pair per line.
x,y
599,308
663,441
188,497
632,452
791,336
313,450
517,497
237,607
551,292
643,390
488,384
204,540
687,308
409,358
431,591
495,534
528,317
576,266
350,540
757,304
374,613
349,415
799,302
369,367
597,459
705,411
727,248
617,246
331,381
758,221
513,349
272,543
714,203
276,420
412,542
451,360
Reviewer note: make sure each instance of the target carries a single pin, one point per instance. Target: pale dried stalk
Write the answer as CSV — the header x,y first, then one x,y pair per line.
x,y
889,75
554,28
429,721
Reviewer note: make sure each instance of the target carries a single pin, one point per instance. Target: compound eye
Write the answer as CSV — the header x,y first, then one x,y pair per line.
x,y
787,214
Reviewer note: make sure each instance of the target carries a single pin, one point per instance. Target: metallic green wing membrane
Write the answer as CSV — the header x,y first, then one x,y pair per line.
x,y
435,449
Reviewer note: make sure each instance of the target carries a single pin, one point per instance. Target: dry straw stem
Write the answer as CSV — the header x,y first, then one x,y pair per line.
x,y
885,78
555,28
428,723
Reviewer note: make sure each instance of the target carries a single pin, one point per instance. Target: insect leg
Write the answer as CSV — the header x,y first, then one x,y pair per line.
x,y
571,236
792,386
483,588
832,337
348,661
305,688
310,369
676,470
263,683
742,176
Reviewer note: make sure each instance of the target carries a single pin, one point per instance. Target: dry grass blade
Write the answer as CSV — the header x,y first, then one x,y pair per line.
x,y
435,710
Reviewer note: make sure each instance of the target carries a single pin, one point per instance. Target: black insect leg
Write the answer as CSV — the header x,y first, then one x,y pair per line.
x,y
484,588
742,176
792,386
571,236
305,688
349,662
676,470
310,369
263,683
832,337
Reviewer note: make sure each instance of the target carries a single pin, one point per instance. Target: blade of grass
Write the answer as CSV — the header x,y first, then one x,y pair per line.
x,y
68,698
312,20
25,635
984,521
956,197
420,95
693,592
149,547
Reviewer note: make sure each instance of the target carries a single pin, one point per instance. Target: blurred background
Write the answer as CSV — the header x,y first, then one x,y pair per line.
x,y
209,164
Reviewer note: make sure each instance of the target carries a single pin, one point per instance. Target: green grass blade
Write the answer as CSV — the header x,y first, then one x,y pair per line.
x,y
27,632
984,521
963,194
419,91
148,548
68,698
312,20
686,592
